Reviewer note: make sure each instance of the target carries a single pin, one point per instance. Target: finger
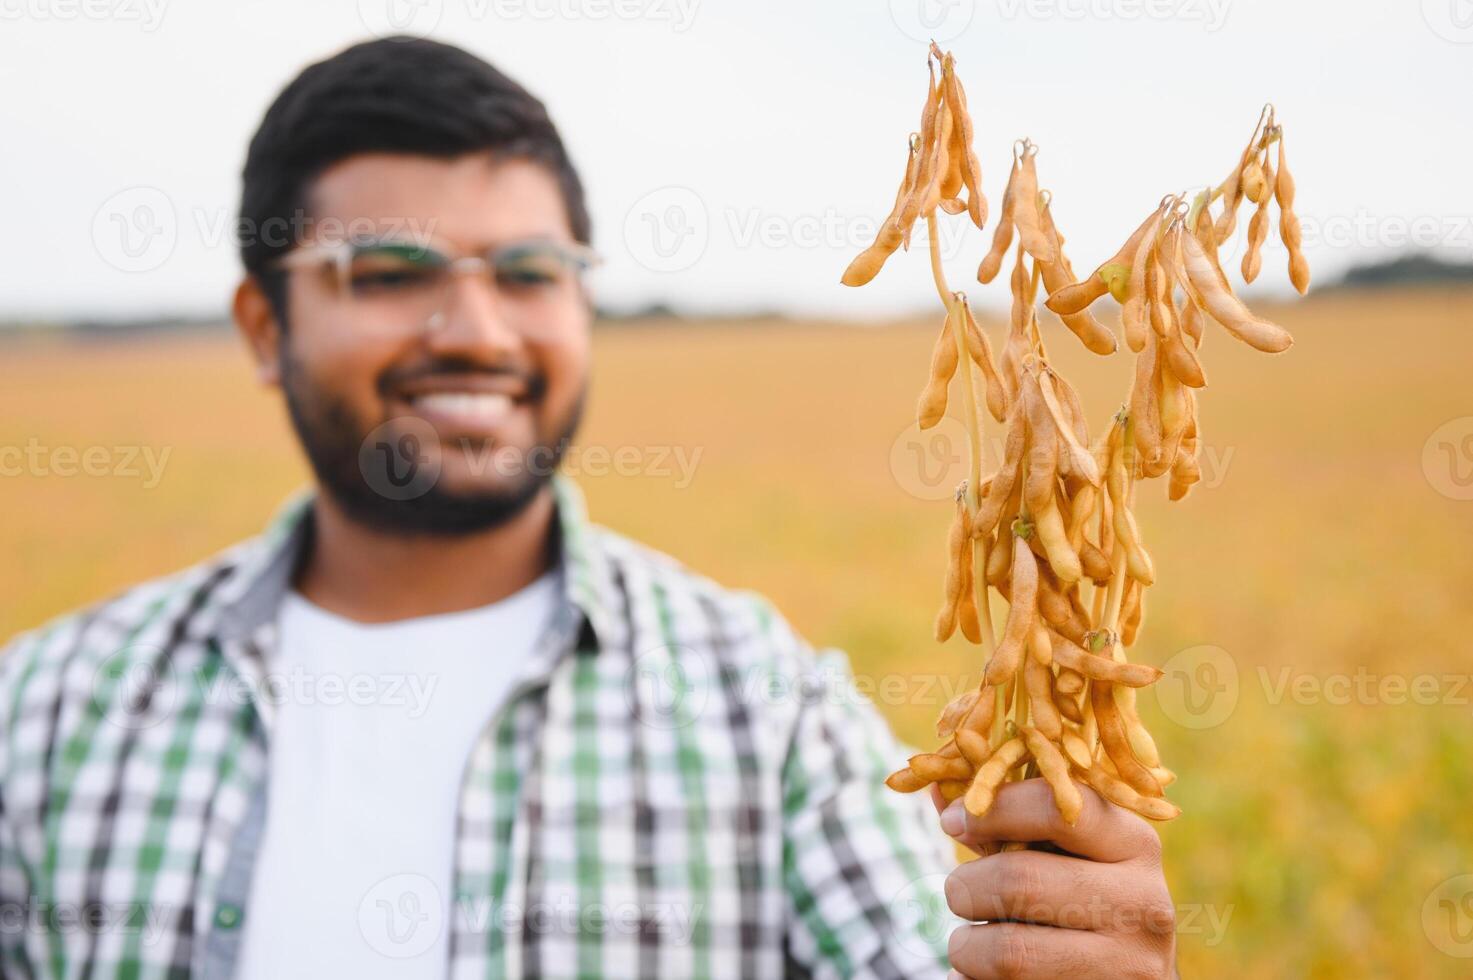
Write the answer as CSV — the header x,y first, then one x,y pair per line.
x,y
1050,890
1017,950
1025,811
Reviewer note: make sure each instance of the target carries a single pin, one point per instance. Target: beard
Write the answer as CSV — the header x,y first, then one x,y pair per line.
x,y
377,475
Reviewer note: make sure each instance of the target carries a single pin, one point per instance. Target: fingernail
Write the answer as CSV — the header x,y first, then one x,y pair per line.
x,y
954,820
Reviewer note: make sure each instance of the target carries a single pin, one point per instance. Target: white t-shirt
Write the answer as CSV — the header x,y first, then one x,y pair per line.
x,y
371,737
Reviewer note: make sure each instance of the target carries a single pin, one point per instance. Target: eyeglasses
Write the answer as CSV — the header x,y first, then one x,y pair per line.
x,y
406,285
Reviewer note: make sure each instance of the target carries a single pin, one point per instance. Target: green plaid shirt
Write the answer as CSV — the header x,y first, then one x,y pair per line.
x,y
705,786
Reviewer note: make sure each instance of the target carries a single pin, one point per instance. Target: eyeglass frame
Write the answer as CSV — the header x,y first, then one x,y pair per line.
x,y
339,254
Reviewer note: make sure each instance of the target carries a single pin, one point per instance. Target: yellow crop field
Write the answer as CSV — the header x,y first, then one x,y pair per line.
x,y
1314,614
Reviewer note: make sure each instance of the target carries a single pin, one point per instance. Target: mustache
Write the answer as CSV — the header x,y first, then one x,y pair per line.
x,y
460,367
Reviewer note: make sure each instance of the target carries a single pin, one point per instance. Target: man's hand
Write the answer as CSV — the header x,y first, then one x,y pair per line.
x,y
1102,910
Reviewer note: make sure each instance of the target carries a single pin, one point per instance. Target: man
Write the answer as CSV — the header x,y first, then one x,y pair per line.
x,y
434,723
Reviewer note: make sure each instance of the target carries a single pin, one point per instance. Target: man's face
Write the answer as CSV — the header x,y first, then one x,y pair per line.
x,y
451,425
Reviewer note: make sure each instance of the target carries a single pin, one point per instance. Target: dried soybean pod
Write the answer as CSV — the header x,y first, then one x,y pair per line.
x,y
991,509
1137,561
1081,507
1043,448
1000,559
1077,296
1186,471
1073,407
906,781
1190,317
1141,744
952,789
1022,613
973,745
1057,276
1069,681
980,351
1182,361
990,775
1227,222
1018,344
1289,230
1037,681
1094,563
932,404
971,168
1284,186
1117,792
1075,748
979,719
1254,182
958,563
1055,609
966,610
931,196
1025,209
1131,611
932,766
1144,407
1002,235
1173,423
1049,527
1112,275
1117,743
1258,226
1081,461
1217,298
1133,308
1068,705
955,711
1071,656
867,263
1055,771
912,208
1156,309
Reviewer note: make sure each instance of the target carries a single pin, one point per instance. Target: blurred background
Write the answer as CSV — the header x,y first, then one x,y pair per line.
x,y
1312,610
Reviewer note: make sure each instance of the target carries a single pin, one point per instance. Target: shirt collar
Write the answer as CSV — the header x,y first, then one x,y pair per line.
x,y
250,599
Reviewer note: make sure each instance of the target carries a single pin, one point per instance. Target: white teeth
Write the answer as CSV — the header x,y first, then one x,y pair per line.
x,y
473,406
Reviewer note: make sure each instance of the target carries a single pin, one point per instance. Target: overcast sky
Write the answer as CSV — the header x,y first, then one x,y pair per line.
x,y
738,152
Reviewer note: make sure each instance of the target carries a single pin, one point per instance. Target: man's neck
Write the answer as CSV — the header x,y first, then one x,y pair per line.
x,y
371,576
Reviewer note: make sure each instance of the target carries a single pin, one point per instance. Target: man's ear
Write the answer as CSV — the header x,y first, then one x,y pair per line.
x,y
256,321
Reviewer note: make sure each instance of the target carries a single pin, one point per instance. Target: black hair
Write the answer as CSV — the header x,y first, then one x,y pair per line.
x,y
395,95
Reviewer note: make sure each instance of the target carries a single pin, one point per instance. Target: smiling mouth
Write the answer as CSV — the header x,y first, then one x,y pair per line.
x,y
468,407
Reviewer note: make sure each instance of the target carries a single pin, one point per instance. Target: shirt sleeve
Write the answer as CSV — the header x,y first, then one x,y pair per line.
x,y
15,886
864,867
